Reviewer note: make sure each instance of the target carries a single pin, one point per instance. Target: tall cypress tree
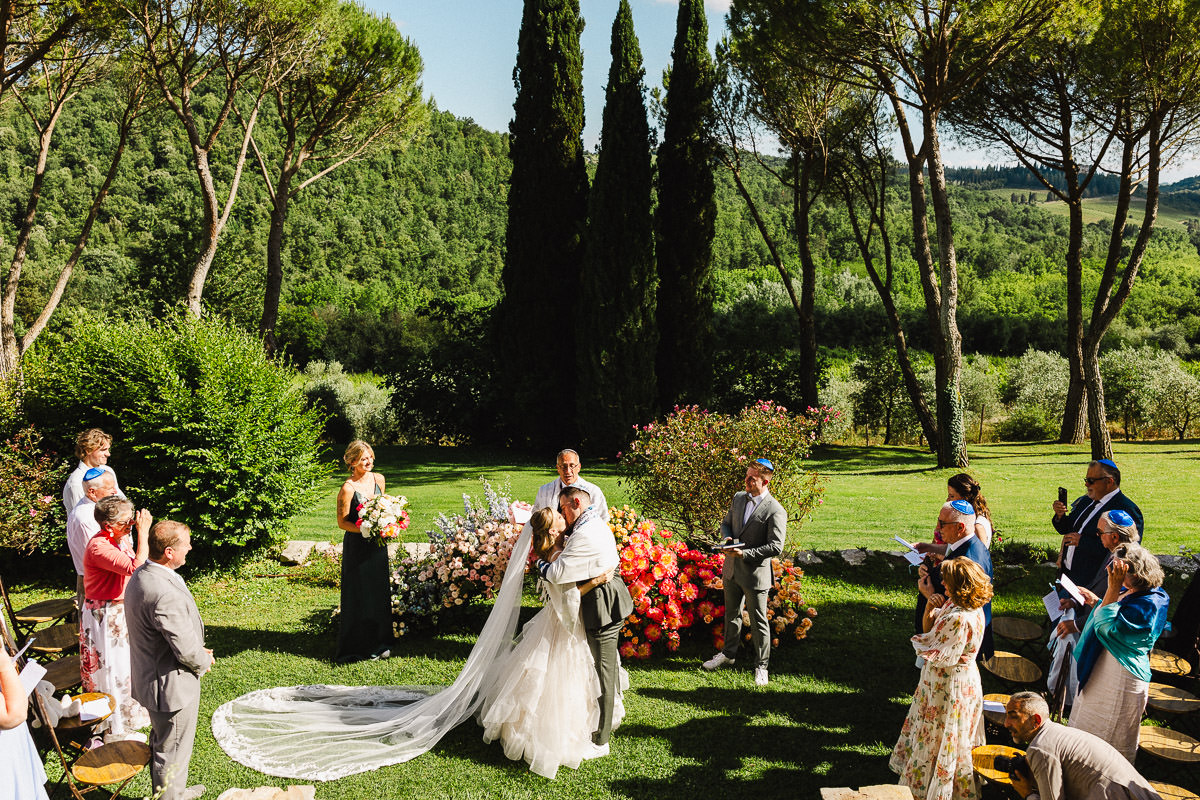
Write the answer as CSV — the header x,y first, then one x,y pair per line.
x,y
547,211
617,335
686,216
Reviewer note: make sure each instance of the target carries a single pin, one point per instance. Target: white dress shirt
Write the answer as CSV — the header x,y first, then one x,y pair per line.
x,y
73,490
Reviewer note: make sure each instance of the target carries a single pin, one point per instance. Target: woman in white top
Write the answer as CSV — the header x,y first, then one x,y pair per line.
x,y
963,487
92,447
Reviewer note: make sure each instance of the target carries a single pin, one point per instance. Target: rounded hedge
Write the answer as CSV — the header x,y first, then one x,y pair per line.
x,y
206,428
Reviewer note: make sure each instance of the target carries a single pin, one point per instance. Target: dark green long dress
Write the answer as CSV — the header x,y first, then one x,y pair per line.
x,y
366,616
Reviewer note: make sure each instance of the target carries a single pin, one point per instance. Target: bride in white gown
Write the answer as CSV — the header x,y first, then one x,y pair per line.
x,y
538,695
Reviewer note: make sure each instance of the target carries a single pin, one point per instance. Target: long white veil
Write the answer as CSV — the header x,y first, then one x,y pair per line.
x,y
321,733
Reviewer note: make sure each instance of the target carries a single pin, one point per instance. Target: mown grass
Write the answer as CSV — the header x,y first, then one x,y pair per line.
x,y
872,493
836,700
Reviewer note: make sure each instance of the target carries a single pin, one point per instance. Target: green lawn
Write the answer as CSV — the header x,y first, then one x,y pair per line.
x,y
873,493
836,700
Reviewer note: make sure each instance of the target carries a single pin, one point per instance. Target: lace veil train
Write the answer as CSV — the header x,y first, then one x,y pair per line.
x,y
322,733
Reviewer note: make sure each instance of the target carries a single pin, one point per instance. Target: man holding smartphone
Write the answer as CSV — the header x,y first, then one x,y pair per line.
x,y
1083,553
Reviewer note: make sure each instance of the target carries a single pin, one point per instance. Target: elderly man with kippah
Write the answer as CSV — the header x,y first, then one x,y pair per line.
x,y
97,484
956,523
1082,552
92,448
753,531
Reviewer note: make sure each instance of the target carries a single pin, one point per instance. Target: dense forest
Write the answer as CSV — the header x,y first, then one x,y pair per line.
x,y
379,248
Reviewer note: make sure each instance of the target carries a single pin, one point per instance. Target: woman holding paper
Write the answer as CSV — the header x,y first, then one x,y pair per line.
x,y
21,774
1113,654
945,720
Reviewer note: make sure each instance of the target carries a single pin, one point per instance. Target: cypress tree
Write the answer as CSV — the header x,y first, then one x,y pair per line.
x,y
547,208
686,216
617,333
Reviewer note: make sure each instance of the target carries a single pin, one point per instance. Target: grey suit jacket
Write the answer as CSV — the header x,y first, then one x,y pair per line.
x,y
763,534
166,640
1070,764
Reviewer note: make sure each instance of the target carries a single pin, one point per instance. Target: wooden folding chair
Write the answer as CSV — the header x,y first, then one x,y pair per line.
x,y
27,619
98,768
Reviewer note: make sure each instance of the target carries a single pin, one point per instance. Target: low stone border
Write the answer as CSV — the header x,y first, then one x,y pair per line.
x,y
299,551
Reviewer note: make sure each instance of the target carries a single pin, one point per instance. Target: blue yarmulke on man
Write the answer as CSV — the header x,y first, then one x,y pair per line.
x,y
1119,517
963,507
1108,462
764,463
92,474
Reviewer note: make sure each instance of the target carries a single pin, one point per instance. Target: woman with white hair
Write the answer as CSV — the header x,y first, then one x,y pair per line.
x,y
1113,654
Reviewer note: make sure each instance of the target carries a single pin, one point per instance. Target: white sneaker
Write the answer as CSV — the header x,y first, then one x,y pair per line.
x,y
760,676
718,661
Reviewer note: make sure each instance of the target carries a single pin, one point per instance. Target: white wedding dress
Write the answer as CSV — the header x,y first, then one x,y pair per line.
x,y
538,695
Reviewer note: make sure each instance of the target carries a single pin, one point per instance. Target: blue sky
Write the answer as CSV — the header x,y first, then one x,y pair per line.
x,y
470,46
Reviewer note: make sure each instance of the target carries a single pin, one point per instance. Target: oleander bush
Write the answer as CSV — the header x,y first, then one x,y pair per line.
x,y
32,516
206,429
683,471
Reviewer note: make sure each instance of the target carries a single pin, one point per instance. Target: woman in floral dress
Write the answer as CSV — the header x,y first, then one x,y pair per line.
x,y
945,720
108,561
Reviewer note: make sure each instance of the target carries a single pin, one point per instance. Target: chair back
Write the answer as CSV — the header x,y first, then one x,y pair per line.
x,y
8,608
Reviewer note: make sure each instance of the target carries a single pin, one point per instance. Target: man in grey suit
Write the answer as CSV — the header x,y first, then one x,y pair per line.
x,y
757,523
167,657
1068,763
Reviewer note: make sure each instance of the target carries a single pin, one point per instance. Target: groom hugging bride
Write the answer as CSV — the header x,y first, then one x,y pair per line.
x,y
552,696
556,696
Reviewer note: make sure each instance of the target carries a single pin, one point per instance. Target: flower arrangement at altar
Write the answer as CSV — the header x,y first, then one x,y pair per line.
x,y
467,556
677,590
382,518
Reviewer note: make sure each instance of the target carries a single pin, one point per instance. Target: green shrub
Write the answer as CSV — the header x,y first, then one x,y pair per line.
x,y
31,482
357,407
207,430
684,470
1027,423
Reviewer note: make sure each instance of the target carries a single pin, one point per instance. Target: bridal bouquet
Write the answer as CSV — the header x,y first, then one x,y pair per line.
x,y
382,518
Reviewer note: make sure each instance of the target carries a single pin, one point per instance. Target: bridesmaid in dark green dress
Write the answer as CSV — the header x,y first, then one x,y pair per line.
x,y
366,615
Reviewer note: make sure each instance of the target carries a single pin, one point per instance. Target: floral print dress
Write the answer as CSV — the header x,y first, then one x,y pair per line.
x,y
945,720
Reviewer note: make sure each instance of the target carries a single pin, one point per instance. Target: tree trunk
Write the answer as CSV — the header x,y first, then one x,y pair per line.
x,y
952,447
274,283
808,279
211,232
10,353
1097,421
1075,411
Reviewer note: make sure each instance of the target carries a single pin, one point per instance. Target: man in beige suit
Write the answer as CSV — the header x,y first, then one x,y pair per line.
x,y
756,524
1068,763
167,657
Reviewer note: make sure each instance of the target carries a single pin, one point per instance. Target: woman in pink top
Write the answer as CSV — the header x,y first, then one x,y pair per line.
x,y
108,561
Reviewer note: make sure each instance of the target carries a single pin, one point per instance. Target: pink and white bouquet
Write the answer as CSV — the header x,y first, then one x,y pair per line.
x,y
383,518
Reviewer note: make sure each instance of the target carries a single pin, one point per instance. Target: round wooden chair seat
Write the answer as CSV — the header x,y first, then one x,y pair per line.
x,y
984,759
1169,745
995,717
111,763
45,611
1016,629
64,673
1172,700
70,724
1168,663
1012,668
1169,792
55,639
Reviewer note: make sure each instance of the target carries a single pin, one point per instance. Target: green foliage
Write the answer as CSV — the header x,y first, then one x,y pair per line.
x,y
1028,423
547,214
684,470
1038,380
31,481
207,430
355,408
616,331
684,221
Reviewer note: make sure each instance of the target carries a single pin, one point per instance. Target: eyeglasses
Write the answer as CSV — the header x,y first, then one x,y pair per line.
x,y
943,523
1090,481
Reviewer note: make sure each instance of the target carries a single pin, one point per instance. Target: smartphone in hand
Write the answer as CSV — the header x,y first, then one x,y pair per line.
x,y
1062,495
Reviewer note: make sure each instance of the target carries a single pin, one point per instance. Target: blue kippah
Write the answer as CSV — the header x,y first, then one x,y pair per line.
x,y
92,474
1119,517
963,507
765,463
1107,462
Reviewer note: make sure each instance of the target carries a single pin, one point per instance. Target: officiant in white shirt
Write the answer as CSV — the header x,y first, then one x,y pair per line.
x,y
567,465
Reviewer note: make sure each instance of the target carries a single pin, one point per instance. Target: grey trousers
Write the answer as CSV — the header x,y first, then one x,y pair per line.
x,y
760,629
172,734
604,642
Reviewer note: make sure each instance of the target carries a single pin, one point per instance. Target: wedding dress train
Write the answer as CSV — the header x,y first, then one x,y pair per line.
x,y
538,695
